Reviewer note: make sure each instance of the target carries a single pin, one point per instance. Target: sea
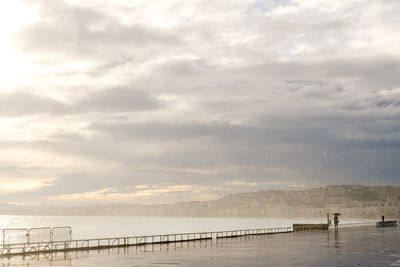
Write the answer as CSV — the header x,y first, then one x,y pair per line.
x,y
358,246
84,227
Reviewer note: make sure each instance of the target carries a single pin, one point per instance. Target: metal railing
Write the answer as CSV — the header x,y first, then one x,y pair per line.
x,y
348,225
23,248
10,236
54,245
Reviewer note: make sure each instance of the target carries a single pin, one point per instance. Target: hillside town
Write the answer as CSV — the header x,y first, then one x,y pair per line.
x,y
352,201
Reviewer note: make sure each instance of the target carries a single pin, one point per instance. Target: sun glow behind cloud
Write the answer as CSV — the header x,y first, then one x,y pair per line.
x,y
141,194
8,185
13,65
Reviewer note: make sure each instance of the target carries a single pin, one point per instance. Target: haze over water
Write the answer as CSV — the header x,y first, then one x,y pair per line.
x,y
120,226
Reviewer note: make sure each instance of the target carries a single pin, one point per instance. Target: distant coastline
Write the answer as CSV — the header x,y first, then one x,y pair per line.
x,y
353,201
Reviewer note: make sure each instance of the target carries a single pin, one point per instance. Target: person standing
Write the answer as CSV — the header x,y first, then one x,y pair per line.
x,y
336,220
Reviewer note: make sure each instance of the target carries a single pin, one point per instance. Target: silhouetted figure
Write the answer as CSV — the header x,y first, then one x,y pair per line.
x,y
336,221
383,218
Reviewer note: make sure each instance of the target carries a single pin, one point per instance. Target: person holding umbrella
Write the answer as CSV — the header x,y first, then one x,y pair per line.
x,y
336,219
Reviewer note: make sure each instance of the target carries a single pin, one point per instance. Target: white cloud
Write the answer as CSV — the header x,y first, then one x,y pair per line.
x,y
8,185
107,195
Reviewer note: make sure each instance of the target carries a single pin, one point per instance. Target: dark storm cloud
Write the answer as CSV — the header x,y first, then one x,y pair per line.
x,y
370,69
104,101
323,129
118,100
224,133
327,78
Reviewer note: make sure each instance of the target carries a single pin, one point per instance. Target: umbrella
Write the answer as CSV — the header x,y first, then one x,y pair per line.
x,y
336,213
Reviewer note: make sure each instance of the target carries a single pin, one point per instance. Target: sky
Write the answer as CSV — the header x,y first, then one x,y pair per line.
x,y
148,102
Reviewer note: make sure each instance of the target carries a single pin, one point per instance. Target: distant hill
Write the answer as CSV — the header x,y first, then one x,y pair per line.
x,y
352,201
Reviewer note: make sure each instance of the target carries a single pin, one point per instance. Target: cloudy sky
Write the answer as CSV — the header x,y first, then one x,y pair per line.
x,y
134,101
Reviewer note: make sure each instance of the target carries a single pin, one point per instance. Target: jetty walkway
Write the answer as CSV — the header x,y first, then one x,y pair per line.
x,y
24,241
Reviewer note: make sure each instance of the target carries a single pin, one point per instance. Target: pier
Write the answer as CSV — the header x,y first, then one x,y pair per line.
x,y
24,241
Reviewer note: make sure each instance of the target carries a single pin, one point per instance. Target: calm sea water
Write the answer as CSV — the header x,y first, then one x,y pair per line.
x,y
115,226
363,246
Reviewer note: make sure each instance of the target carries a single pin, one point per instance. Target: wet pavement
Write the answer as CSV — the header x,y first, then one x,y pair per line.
x,y
366,246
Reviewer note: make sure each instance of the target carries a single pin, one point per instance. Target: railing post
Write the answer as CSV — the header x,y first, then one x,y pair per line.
x,y
27,236
51,238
